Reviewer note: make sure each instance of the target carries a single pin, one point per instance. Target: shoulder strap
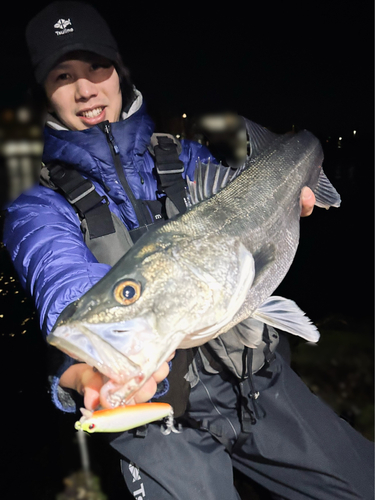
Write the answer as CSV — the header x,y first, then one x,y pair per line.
x,y
169,168
81,194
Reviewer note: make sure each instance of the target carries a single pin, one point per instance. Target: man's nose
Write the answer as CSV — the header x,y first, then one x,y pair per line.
x,y
85,89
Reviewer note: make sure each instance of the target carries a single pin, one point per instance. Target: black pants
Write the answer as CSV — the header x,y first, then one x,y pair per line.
x,y
298,447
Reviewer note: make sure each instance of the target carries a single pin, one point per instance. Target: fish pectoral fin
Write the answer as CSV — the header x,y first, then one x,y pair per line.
x,y
287,316
325,194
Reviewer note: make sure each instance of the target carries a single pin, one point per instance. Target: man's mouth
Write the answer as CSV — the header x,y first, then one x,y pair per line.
x,y
92,113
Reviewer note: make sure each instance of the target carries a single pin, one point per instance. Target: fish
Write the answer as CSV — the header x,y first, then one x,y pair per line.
x,y
194,277
124,418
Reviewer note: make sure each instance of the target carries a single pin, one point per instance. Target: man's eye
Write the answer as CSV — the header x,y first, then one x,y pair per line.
x,y
96,66
63,76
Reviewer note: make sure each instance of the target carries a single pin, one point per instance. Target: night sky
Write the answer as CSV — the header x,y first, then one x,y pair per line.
x,y
309,64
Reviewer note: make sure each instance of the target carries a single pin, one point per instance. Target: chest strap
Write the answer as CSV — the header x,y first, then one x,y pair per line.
x,y
169,169
81,194
93,208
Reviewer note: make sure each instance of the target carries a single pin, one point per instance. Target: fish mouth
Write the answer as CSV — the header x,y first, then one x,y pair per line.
x,y
80,341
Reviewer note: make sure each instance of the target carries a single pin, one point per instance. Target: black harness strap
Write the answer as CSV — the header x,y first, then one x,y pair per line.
x,y
81,194
169,169
92,207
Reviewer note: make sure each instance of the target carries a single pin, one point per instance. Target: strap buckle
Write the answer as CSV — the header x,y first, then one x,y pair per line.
x,y
82,195
167,160
174,171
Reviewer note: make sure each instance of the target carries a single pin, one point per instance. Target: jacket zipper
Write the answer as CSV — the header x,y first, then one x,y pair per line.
x,y
115,151
110,138
113,144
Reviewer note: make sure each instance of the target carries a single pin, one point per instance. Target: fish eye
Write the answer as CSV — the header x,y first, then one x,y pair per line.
x,y
127,292
91,426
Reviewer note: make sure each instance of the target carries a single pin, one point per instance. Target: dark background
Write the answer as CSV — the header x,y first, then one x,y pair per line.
x,y
307,65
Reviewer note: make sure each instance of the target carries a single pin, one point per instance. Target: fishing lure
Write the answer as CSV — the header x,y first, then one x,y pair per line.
x,y
124,418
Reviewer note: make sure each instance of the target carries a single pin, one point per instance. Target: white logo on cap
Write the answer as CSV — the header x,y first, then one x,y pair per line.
x,y
62,26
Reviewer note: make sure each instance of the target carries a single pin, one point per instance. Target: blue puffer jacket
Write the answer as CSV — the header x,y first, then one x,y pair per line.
x,y
42,231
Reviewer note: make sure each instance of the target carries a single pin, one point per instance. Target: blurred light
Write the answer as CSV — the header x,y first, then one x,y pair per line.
x,y
354,132
12,148
23,115
7,115
184,115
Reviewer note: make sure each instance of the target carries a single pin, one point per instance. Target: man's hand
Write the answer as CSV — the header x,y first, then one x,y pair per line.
x,y
87,381
307,201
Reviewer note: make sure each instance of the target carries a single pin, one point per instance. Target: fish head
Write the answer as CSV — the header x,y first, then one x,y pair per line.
x,y
172,292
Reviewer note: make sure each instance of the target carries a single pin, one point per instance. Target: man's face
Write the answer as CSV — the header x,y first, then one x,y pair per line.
x,y
83,89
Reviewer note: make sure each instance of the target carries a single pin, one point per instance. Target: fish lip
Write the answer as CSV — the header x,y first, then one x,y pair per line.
x,y
128,337
80,343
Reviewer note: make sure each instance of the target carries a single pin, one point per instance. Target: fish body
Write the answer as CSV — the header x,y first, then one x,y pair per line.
x,y
194,277
122,418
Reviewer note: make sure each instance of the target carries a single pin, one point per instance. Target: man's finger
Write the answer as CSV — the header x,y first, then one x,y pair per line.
x,y
307,201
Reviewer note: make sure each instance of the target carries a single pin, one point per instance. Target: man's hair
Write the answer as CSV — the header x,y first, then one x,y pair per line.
x,y
126,85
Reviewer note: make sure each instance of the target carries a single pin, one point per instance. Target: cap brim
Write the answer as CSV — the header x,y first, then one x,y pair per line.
x,y
45,66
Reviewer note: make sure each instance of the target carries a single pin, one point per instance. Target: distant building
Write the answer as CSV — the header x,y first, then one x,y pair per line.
x,y
21,148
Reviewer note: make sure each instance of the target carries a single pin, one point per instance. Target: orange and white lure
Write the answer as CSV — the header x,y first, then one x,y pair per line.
x,y
124,418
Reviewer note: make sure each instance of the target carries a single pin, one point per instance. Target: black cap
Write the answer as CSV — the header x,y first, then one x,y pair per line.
x,y
64,27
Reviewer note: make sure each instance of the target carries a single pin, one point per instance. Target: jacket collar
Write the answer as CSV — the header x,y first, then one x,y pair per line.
x,y
88,149
53,122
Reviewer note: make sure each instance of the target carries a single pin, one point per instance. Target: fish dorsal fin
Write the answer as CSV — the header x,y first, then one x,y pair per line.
x,y
287,316
325,194
260,138
209,179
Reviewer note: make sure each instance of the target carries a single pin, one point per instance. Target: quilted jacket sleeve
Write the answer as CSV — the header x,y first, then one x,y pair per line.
x,y
43,237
